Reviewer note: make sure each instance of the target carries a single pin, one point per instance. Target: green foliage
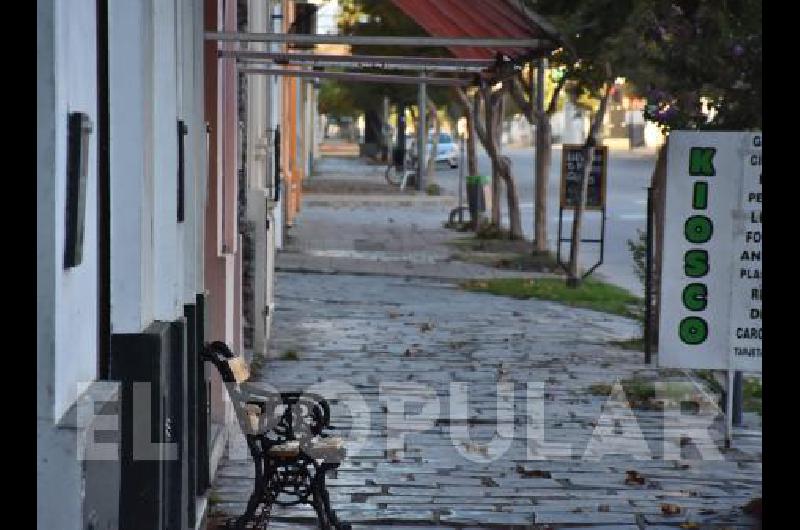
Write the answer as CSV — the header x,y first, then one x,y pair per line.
x,y
638,250
336,100
709,49
591,294
751,395
375,18
677,51
635,344
638,391
433,189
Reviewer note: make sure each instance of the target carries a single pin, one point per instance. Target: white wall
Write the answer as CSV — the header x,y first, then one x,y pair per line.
x,y
45,208
168,236
66,300
199,138
191,112
76,317
130,49
257,160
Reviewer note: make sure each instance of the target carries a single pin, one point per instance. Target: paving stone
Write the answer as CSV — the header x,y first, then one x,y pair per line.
x,y
357,328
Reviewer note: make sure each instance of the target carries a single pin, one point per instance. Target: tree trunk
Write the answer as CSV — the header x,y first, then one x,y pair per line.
x,y
488,132
472,135
544,150
573,270
514,217
501,165
544,145
491,127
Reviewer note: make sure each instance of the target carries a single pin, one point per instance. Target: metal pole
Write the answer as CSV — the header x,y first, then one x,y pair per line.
x,y
729,410
359,77
648,270
386,135
540,177
405,61
461,183
363,40
422,136
738,396
377,62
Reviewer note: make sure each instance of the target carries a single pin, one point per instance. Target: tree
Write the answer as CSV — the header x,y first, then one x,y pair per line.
x,y
539,115
488,130
602,37
381,17
701,64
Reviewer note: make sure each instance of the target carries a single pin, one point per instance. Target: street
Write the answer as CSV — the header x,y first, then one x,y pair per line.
x,y
628,178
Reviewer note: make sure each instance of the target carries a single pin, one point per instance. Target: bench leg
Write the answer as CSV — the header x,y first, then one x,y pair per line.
x,y
262,496
326,503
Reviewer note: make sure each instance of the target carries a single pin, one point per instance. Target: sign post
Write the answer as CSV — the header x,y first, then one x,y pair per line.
x,y
711,281
572,165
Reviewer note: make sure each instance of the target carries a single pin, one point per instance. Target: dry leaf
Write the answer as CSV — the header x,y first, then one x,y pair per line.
x,y
633,477
670,509
533,473
688,524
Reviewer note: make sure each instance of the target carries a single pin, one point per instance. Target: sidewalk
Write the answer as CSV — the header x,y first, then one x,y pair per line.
x,y
353,222
375,309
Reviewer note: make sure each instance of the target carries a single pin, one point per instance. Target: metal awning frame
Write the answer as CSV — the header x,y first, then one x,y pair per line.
x,y
533,45
382,62
359,76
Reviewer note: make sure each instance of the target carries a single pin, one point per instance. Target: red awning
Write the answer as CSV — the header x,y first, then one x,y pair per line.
x,y
473,18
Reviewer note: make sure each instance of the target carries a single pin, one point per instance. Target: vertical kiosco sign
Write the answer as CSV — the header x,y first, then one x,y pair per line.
x,y
711,259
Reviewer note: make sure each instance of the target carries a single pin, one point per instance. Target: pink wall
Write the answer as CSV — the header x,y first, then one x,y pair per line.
x,y
222,280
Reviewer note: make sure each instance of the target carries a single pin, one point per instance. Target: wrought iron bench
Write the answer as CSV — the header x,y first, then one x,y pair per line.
x,y
284,434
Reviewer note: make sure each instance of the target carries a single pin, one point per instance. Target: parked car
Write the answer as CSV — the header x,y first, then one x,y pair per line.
x,y
448,150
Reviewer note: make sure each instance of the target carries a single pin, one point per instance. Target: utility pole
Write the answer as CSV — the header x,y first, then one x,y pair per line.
x,y
422,134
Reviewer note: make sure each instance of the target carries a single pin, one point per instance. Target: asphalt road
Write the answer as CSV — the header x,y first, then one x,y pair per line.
x,y
629,175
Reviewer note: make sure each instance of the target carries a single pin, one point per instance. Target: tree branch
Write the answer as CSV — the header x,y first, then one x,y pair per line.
x,y
518,94
551,107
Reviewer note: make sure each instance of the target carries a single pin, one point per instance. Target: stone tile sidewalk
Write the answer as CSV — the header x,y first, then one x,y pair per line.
x,y
380,334
366,298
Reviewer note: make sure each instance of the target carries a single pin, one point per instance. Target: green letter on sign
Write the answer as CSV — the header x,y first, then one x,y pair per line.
x,y
695,263
700,196
701,162
698,229
693,330
694,296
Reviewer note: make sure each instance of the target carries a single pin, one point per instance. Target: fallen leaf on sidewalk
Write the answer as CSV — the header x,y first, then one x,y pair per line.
x,y
603,508
633,477
670,509
689,524
532,473
475,448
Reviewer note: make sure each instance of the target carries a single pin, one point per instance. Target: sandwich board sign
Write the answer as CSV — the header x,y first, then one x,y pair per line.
x,y
711,260
572,167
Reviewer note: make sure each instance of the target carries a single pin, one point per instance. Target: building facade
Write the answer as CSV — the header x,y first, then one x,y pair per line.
x,y
150,187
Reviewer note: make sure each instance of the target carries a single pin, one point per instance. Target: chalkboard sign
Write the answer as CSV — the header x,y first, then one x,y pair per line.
x,y
572,166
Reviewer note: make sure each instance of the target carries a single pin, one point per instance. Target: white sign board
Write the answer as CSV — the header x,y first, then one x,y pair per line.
x,y
711,259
